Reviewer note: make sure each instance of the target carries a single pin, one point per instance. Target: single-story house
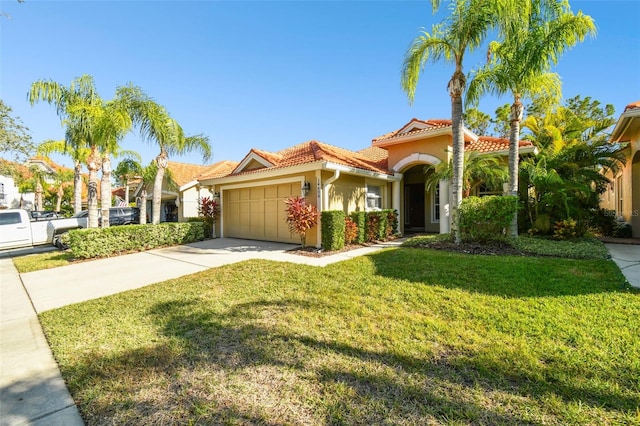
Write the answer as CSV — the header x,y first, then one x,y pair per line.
x,y
389,174
181,192
623,194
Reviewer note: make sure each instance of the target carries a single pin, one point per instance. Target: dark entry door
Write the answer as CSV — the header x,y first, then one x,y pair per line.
x,y
414,206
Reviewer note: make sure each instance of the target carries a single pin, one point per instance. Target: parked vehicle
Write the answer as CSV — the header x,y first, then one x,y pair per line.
x,y
44,214
117,216
18,230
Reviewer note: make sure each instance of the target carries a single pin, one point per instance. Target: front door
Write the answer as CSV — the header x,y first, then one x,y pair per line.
x,y
414,206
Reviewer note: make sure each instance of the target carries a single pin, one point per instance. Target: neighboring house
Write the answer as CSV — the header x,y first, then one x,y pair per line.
x,y
623,194
10,196
180,199
388,174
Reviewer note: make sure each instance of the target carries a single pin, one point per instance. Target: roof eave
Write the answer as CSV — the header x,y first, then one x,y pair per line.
x,y
625,120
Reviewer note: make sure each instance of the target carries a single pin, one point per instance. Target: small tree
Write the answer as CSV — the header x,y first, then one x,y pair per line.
x,y
300,216
209,209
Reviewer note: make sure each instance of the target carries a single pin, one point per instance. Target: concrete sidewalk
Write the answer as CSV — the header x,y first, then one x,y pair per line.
x,y
627,257
32,391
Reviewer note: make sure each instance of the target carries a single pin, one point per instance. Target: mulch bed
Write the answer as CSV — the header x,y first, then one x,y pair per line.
x,y
316,252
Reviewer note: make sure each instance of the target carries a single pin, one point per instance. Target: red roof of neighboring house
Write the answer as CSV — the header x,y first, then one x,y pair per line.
x,y
633,105
486,144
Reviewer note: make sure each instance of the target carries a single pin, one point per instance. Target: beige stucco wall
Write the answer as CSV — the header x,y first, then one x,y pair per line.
x,y
436,146
630,190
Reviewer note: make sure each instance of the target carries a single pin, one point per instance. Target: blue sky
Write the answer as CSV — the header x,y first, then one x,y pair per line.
x,y
271,74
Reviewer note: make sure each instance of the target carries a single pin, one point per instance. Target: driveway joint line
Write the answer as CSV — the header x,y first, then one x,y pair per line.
x,y
178,260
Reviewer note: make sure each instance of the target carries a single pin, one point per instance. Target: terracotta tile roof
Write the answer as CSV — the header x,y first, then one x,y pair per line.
x,y
432,125
314,151
486,144
219,169
634,105
185,173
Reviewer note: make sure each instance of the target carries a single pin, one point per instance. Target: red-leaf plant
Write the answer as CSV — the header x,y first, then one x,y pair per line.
x,y
300,216
209,209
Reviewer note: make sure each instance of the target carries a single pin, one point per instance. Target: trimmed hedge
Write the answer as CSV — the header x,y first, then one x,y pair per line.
x,y
333,229
380,225
360,219
98,242
485,218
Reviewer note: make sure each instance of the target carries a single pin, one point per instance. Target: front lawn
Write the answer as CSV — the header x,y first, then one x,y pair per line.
x,y
403,336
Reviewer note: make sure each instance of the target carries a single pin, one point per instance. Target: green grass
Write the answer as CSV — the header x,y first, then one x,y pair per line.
x,y
403,336
36,262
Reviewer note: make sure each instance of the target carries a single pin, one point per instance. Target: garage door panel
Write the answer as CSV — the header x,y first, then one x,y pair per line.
x,y
258,212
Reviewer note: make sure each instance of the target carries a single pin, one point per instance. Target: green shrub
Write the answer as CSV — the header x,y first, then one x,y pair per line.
x,y
105,242
392,222
360,219
486,218
622,230
333,229
207,229
603,221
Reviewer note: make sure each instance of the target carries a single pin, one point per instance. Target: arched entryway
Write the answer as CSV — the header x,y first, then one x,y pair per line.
x,y
421,210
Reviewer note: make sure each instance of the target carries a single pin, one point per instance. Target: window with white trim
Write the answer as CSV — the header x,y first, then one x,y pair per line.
x,y
435,210
374,197
620,204
484,190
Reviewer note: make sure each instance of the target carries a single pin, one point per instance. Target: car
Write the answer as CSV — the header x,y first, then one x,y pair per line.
x,y
117,215
44,214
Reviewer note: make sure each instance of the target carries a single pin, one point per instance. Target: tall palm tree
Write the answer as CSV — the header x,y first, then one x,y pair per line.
x,y
79,106
78,155
463,31
520,64
157,127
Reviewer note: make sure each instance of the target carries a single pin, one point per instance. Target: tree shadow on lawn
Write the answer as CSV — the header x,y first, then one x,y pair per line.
x,y
218,360
506,276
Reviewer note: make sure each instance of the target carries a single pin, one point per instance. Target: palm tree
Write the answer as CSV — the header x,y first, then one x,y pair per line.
x,y
148,174
486,168
463,31
79,107
564,180
157,126
61,178
520,64
78,155
127,169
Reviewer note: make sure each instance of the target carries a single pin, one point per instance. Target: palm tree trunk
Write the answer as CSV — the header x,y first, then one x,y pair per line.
x,y
93,164
105,190
60,194
143,205
162,162
126,192
456,88
514,156
38,200
77,187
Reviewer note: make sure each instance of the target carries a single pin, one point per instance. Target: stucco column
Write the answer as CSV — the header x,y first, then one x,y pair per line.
x,y
445,214
396,188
